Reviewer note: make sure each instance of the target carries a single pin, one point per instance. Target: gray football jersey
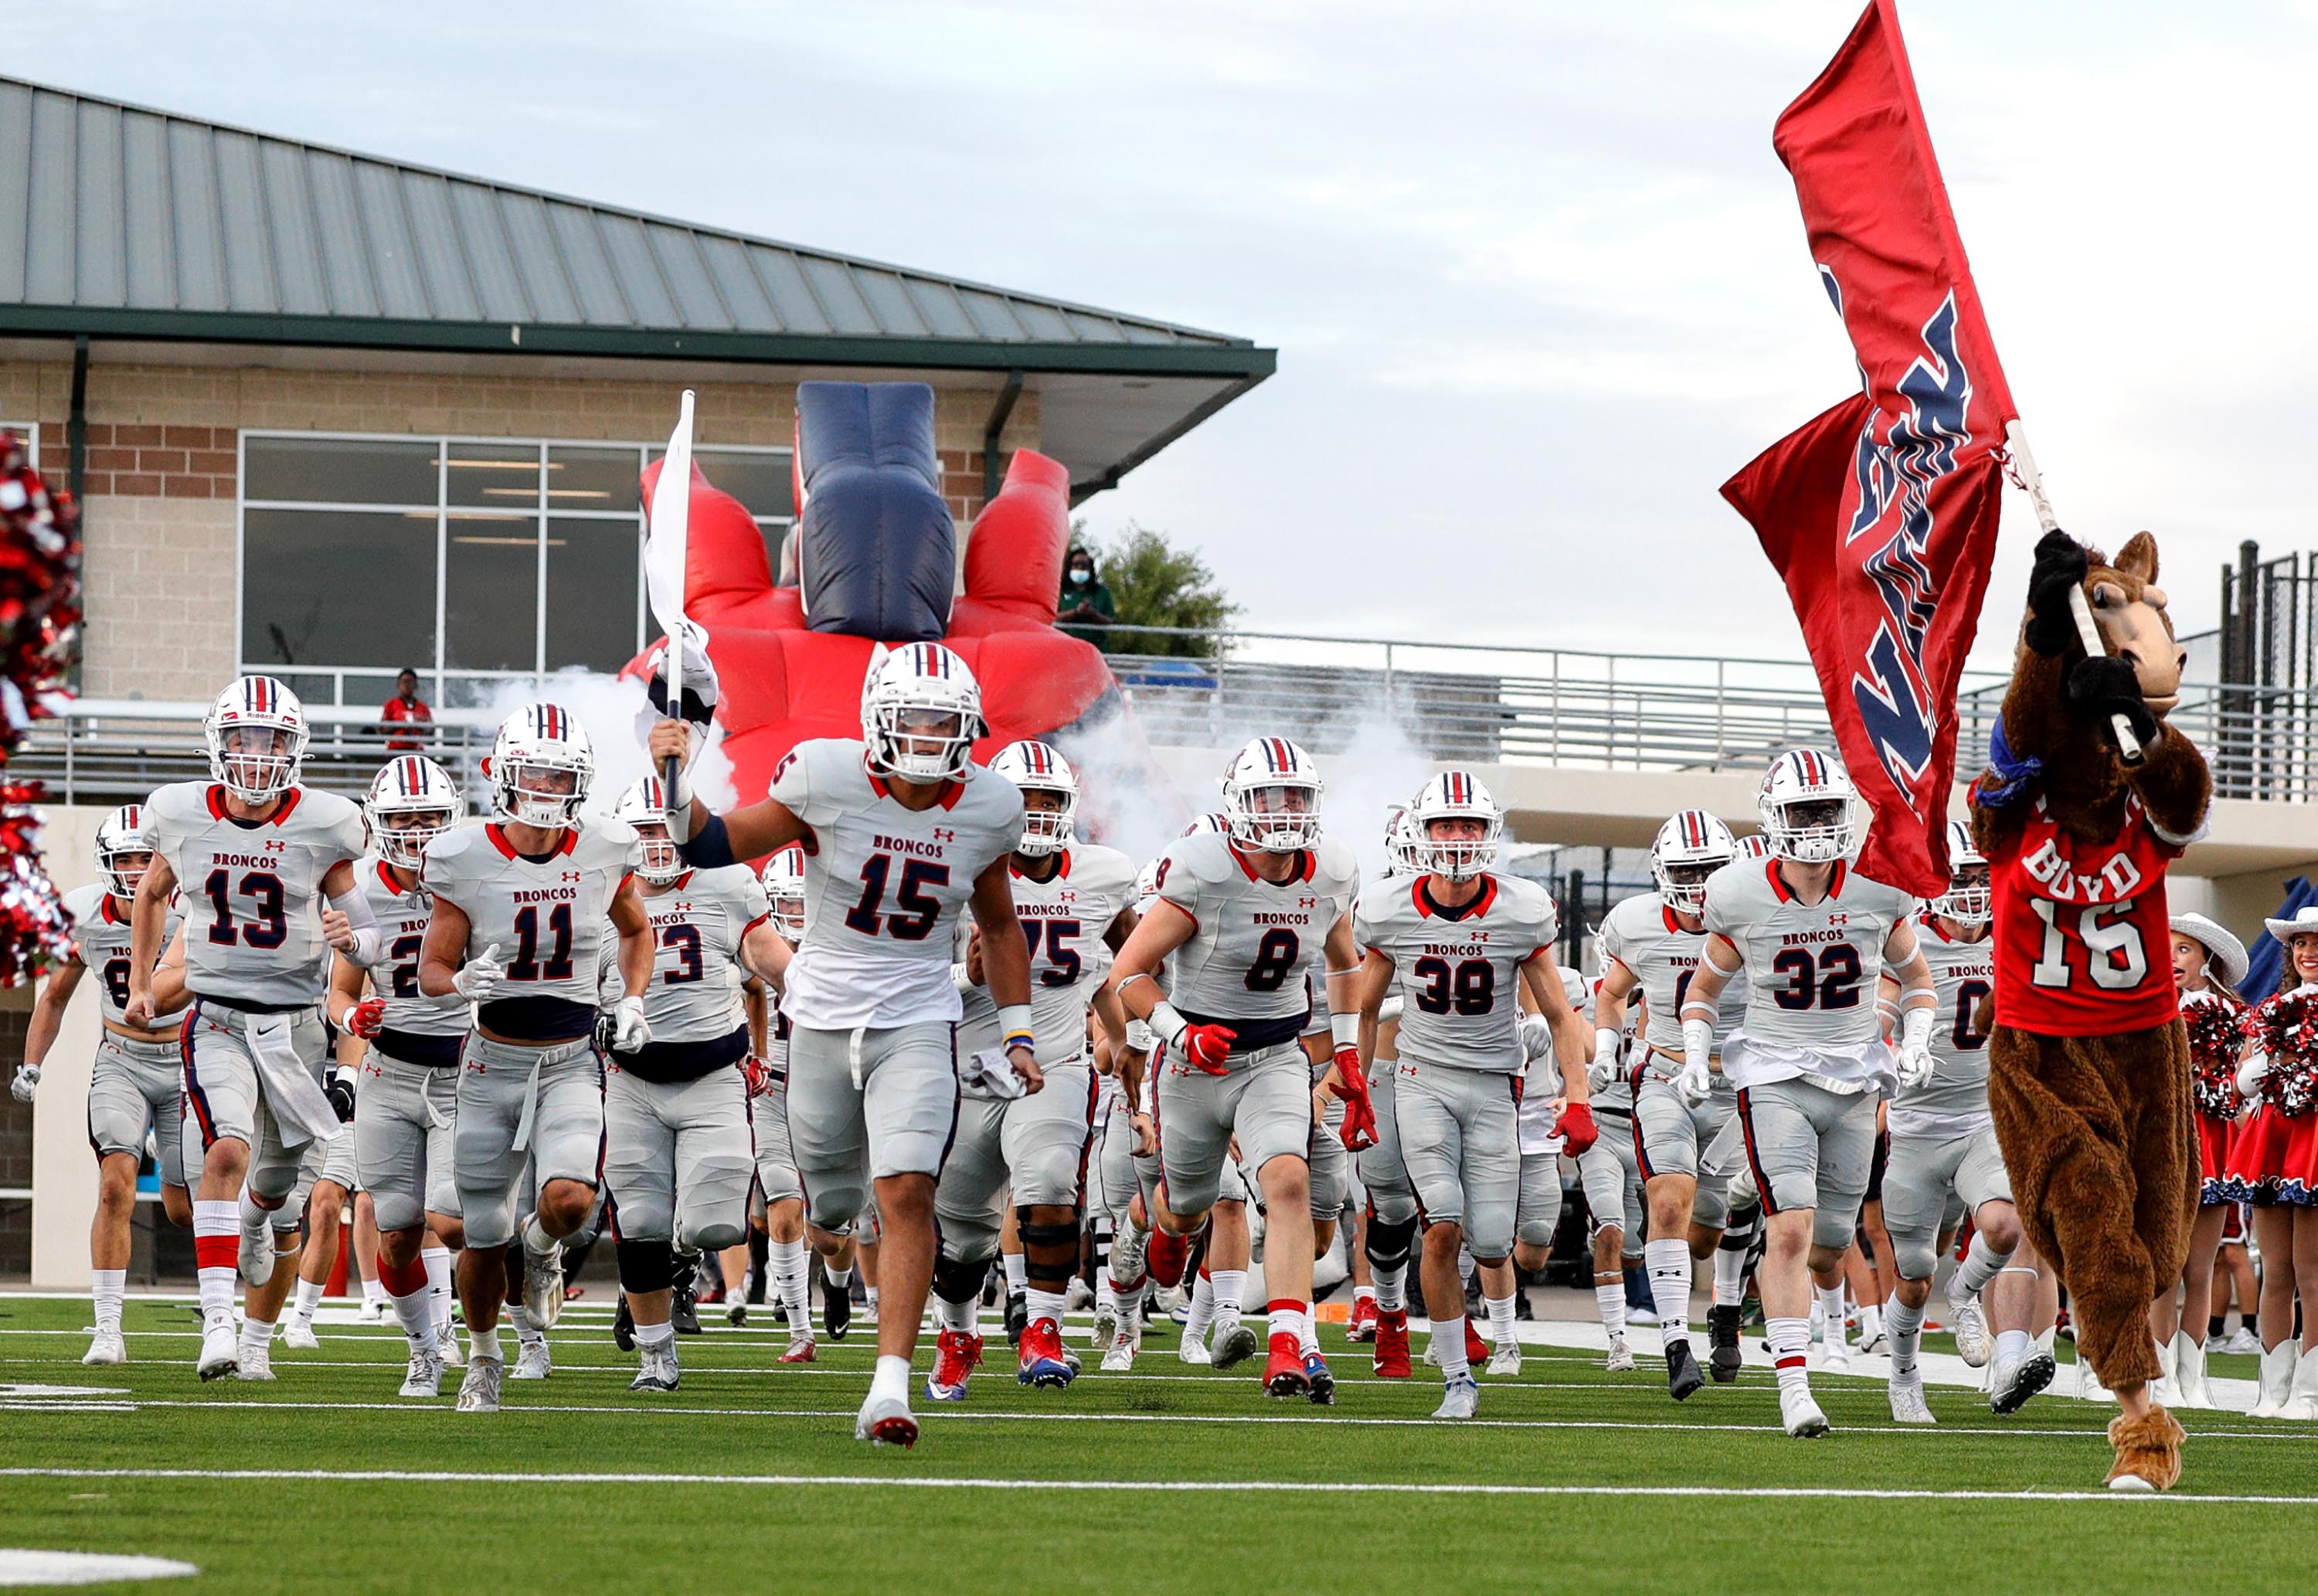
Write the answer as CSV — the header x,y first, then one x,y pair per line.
x,y
100,932
1955,1101
1245,959
1811,969
548,917
1063,921
697,925
252,890
1642,933
1459,970
884,885
402,920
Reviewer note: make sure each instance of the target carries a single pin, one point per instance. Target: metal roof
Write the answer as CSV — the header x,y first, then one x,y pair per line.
x,y
120,221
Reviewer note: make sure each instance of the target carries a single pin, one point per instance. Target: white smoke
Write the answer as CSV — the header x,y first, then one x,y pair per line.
x,y
1379,769
618,718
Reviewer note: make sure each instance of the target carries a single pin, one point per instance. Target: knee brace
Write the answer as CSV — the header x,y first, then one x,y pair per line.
x,y
1051,1251
959,1280
646,1265
1389,1241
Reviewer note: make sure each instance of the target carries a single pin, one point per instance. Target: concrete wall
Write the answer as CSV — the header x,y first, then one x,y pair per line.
x,y
160,531
64,1171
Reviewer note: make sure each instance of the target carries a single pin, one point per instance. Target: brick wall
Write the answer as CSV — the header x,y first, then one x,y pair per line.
x,y
160,526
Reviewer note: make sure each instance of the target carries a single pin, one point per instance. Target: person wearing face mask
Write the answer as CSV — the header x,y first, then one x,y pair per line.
x,y
1085,603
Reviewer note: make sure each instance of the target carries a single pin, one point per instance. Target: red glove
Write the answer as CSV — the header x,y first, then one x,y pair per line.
x,y
757,1074
1576,1129
1207,1046
1352,1084
365,1019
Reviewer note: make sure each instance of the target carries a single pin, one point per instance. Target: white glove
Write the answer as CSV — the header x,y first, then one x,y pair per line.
x,y
2251,1072
1604,1069
1695,1082
481,977
1536,1033
630,1030
27,1081
1915,1047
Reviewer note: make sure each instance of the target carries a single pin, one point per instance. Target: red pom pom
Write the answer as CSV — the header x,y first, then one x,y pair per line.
x,y
39,618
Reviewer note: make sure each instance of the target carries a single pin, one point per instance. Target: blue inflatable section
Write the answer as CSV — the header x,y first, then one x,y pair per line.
x,y
876,549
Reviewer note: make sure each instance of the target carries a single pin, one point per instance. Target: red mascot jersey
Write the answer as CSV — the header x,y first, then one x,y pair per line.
x,y
2083,947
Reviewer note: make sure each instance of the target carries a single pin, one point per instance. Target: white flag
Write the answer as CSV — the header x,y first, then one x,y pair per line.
x,y
664,543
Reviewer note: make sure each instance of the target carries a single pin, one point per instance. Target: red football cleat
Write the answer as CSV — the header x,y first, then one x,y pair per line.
x,y
1477,1350
1165,1257
1042,1360
801,1351
1392,1345
1364,1319
956,1353
1283,1371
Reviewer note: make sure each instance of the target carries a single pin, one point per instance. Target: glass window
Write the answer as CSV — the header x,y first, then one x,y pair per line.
x,y
337,586
593,574
493,476
339,471
593,479
759,479
490,594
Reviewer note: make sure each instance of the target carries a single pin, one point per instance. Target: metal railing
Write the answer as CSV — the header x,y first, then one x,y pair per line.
x,y
1470,703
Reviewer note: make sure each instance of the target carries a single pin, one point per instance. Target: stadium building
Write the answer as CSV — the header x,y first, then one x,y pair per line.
x,y
329,415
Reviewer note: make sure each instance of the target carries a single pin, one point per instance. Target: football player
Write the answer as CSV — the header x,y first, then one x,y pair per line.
x,y
268,871
137,1080
405,1047
1943,1146
1610,1173
1392,1215
1810,1061
1075,902
776,1175
1238,914
677,1156
1652,943
1460,943
901,831
536,886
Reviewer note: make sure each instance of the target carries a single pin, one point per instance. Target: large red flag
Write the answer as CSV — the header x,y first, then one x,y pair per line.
x,y
1880,514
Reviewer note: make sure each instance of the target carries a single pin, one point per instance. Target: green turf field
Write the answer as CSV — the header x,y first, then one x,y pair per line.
x,y
1177,1478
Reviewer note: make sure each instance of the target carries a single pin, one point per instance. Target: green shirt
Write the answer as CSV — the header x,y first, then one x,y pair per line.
x,y
1095,596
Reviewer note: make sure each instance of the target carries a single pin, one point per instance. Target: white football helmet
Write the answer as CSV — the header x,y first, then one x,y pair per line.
x,y
783,880
1272,797
540,766
1969,900
1809,807
412,801
921,713
1692,846
1753,846
120,834
256,737
1039,768
1400,842
1456,795
645,804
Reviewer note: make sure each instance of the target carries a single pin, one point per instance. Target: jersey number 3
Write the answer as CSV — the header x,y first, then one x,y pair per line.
x,y
264,927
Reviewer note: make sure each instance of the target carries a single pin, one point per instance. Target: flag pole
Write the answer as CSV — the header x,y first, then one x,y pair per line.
x,y
2024,466
671,508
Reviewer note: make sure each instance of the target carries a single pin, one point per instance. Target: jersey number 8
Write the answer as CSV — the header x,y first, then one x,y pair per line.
x,y
1276,957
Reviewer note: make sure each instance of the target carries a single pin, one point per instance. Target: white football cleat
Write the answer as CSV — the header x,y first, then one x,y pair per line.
x,y
424,1377
1192,1350
1908,1403
1506,1359
532,1361
220,1353
2012,1381
1106,1327
1835,1353
371,1312
1621,1357
446,1345
887,1421
658,1370
256,1361
479,1393
106,1348
255,1256
299,1337
1800,1414
543,1286
1459,1398
1120,1357
1232,1346
1972,1340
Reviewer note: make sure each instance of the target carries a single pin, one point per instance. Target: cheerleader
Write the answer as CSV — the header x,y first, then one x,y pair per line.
x,y
2273,1162
2208,964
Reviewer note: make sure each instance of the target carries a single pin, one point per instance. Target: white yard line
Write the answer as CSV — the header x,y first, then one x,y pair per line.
x,y
1299,1487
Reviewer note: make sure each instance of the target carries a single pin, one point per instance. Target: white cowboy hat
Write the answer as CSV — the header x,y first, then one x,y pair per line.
x,y
2226,950
2304,923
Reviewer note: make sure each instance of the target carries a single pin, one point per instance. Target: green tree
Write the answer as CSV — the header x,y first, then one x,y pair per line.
x,y
1155,583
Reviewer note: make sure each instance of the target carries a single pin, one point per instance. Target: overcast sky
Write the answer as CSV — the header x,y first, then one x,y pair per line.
x,y
1537,281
